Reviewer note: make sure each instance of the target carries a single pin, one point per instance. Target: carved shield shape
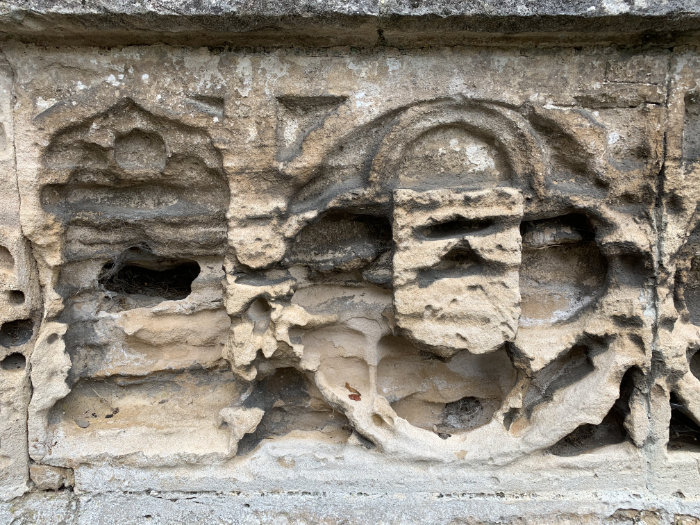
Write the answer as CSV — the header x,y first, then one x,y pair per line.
x,y
456,267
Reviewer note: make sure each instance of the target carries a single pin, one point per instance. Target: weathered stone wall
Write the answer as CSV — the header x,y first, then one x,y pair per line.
x,y
350,277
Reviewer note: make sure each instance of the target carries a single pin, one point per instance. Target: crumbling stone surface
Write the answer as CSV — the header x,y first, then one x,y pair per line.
x,y
459,271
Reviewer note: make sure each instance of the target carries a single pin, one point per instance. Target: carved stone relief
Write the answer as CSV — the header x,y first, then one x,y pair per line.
x,y
468,263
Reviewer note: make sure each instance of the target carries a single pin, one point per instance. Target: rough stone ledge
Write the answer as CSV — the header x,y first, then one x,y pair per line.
x,y
346,508
333,22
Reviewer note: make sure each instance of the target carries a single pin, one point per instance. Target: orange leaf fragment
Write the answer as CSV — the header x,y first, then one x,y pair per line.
x,y
353,390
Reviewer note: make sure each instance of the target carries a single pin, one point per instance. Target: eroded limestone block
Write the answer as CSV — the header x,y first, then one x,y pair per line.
x,y
20,309
51,478
456,268
678,284
463,263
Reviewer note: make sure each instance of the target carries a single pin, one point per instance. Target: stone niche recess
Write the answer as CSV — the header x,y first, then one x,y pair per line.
x,y
388,269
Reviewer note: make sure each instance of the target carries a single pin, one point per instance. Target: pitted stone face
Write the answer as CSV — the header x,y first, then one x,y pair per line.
x,y
452,263
456,267
494,288
462,282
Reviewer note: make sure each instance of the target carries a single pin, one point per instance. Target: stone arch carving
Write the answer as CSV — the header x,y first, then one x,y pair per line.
x,y
447,288
127,173
513,139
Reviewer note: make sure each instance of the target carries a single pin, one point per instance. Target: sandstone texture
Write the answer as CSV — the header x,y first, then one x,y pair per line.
x,y
350,262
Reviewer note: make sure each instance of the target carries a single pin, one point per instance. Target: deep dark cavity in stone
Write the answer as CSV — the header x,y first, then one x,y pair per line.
x,y
15,333
15,361
141,273
683,430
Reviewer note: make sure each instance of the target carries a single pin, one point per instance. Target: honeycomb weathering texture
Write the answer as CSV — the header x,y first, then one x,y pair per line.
x,y
228,269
